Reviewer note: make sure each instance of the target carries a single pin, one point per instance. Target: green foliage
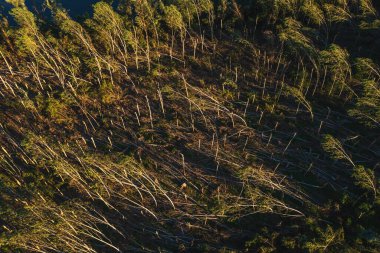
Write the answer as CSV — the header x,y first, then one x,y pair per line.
x,y
366,7
58,109
336,60
336,13
327,239
289,7
107,93
24,18
367,107
173,18
229,83
188,9
291,34
299,96
365,178
313,12
26,44
366,69
26,40
107,24
335,149
206,5
55,108
66,24
35,233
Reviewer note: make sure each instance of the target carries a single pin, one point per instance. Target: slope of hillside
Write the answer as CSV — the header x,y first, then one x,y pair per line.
x,y
191,126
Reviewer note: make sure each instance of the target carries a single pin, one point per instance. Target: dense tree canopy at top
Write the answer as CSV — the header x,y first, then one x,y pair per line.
x,y
190,126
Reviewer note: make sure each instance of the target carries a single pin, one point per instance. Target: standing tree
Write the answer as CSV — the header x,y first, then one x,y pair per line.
x,y
147,23
110,32
188,10
207,6
174,20
74,29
